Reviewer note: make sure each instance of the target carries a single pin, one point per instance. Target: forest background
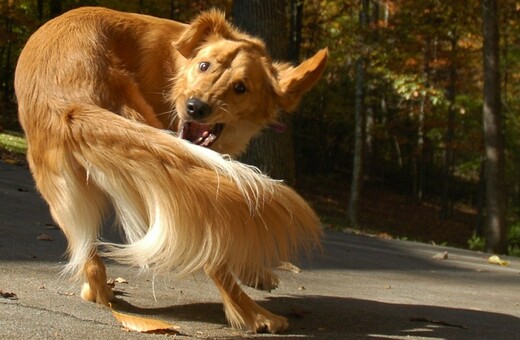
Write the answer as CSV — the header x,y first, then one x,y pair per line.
x,y
392,141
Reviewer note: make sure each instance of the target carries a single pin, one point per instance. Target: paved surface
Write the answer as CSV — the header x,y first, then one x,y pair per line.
x,y
358,288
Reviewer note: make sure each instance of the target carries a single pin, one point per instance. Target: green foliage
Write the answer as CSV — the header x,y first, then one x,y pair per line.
x,y
411,48
476,243
514,239
13,142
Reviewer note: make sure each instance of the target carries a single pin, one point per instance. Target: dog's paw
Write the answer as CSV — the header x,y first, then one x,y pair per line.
x,y
102,296
270,323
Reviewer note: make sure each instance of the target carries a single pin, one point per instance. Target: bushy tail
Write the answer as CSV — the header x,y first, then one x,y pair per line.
x,y
184,207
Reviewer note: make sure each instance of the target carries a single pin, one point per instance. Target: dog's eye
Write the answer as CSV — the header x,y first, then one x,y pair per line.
x,y
239,88
203,67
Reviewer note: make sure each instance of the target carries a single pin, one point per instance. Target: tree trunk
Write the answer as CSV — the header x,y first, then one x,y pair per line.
x,y
357,168
295,30
373,111
39,7
419,158
272,152
448,161
55,8
496,240
172,9
481,200
6,77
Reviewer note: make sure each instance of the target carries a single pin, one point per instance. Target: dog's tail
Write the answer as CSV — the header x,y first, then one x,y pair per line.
x,y
184,207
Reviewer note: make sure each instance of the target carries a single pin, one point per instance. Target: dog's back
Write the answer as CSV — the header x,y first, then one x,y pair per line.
x,y
118,61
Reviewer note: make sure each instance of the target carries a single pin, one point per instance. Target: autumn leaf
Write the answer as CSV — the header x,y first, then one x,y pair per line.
x,y
66,293
112,282
440,256
8,295
289,267
494,259
121,280
44,237
51,226
143,325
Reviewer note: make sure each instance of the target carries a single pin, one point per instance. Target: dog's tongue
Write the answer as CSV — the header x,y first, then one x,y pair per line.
x,y
200,134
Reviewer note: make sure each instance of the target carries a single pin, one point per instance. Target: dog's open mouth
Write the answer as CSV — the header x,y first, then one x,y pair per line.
x,y
200,134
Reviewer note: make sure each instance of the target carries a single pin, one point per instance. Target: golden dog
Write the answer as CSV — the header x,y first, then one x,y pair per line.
x,y
96,90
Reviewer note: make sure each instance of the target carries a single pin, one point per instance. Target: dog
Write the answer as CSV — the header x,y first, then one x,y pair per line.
x,y
103,98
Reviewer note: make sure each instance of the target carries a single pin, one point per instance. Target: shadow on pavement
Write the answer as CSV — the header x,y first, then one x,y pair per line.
x,y
339,318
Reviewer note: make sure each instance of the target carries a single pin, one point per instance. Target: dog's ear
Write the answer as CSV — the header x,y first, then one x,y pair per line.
x,y
295,81
212,22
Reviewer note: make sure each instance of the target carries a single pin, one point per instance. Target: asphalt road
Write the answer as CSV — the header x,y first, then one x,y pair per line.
x,y
360,287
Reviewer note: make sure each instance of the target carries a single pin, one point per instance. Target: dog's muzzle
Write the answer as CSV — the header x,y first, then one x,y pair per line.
x,y
193,129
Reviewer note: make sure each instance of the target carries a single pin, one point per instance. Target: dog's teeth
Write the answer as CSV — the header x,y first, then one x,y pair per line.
x,y
209,140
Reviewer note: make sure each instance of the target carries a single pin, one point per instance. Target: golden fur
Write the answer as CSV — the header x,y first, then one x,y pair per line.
x,y
96,88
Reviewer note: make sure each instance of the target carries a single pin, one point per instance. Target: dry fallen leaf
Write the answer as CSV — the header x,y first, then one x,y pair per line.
x,y
51,226
440,256
384,236
44,237
494,259
112,282
66,293
437,322
8,295
144,325
289,267
121,280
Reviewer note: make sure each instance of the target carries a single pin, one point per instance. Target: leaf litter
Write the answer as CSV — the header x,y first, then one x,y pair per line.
x,y
495,259
8,295
440,256
288,266
44,237
142,324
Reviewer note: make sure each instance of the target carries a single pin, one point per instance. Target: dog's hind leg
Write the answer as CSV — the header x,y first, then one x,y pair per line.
x,y
240,309
96,288
78,206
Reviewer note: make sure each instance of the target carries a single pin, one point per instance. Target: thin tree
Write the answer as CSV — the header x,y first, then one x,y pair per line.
x,y
55,8
496,240
295,30
6,75
272,152
449,155
357,168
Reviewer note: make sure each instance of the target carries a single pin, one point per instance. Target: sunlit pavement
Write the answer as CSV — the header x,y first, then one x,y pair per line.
x,y
359,287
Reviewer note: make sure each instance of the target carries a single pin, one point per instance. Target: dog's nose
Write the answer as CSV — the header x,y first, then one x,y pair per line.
x,y
197,109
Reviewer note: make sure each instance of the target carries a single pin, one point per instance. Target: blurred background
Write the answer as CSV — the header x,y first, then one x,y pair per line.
x,y
412,132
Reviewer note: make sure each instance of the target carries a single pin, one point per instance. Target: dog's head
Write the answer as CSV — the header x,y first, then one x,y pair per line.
x,y
227,88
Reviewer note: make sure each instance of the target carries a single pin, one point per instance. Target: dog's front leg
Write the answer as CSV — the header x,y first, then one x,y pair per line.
x,y
240,309
96,288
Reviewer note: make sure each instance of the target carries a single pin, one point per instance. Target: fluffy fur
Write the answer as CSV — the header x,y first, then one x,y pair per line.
x,y
96,87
